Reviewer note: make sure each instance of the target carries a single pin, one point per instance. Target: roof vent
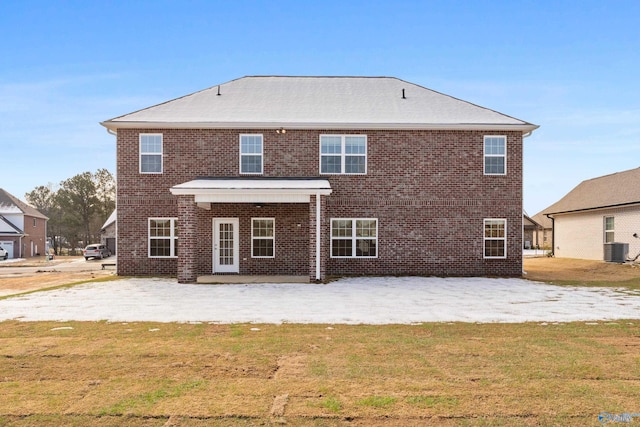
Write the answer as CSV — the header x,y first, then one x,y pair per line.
x,y
218,90
403,97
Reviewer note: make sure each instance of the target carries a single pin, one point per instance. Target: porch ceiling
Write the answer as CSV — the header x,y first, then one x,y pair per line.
x,y
253,190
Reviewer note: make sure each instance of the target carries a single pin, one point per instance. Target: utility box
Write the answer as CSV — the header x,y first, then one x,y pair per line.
x,y
616,252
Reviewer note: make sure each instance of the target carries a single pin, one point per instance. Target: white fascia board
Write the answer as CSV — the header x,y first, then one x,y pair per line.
x,y
114,126
243,191
259,192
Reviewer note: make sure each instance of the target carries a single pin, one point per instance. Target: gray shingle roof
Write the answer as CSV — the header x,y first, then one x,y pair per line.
x,y
621,188
318,102
11,204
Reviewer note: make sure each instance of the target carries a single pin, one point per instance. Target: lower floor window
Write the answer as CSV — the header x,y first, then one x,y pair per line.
x,y
609,229
262,238
495,238
163,238
354,238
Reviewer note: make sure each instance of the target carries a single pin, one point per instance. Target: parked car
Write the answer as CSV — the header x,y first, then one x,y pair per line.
x,y
4,254
96,251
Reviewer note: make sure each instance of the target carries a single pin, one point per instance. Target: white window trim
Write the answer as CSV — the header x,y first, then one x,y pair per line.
x,y
251,154
485,156
485,238
173,237
606,230
353,238
343,154
272,238
161,154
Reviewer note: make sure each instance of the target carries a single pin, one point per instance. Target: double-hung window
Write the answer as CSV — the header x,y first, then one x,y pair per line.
x,y
251,151
150,153
495,238
343,154
262,238
354,238
163,238
495,155
609,229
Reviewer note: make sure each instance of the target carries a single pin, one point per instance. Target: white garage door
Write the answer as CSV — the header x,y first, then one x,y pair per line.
x,y
9,247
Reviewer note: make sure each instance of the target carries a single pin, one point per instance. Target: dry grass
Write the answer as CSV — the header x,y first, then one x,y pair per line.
x,y
144,374
456,374
580,272
46,274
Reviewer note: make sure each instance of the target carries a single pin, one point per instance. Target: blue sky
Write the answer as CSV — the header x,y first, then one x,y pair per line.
x,y
572,67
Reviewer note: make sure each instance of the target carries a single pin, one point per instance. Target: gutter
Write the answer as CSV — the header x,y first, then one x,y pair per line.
x,y
595,208
112,126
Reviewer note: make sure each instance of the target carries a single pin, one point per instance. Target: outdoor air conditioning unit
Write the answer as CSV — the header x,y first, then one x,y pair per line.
x,y
616,252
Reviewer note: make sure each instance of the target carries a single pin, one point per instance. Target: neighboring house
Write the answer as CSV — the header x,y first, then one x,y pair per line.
x,y
108,233
319,176
530,229
597,213
543,233
23,230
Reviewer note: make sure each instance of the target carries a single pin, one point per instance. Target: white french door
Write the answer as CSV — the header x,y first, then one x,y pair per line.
x,y
225,245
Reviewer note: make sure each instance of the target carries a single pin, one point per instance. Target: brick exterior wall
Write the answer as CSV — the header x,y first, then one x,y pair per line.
x,y
581,235
426,188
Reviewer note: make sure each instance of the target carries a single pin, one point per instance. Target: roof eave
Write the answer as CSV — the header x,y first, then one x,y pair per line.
x,y
595,208
115,125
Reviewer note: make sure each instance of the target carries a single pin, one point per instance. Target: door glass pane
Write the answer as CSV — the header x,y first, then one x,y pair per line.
x,y
226,244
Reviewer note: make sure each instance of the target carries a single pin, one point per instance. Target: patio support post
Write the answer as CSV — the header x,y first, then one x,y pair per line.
x,y
187,239
316,260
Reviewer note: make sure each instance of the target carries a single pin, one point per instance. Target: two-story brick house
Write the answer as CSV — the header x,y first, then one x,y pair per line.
x,y
319,176
23,229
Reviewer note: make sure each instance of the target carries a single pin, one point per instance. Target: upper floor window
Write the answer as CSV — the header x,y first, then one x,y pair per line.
x,y
609,228
495,238
150,153
343,154
163,237
251,154
495,155
35,222
354,238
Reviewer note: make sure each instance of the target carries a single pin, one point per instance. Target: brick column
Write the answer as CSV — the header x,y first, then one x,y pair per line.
x,y
187,239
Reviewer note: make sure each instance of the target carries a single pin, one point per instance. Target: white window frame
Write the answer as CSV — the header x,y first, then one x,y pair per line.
x,y
354,238
173,237
144,153
492,238
607,231
261,154
343,154
493,155
272,237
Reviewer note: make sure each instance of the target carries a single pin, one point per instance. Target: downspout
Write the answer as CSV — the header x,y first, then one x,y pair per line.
x,y
318,236
115,133
553,234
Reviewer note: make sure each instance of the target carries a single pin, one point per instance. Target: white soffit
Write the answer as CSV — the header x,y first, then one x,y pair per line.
x,y
252,190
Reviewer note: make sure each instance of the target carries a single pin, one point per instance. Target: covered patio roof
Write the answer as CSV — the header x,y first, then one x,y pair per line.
x,y
253,189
